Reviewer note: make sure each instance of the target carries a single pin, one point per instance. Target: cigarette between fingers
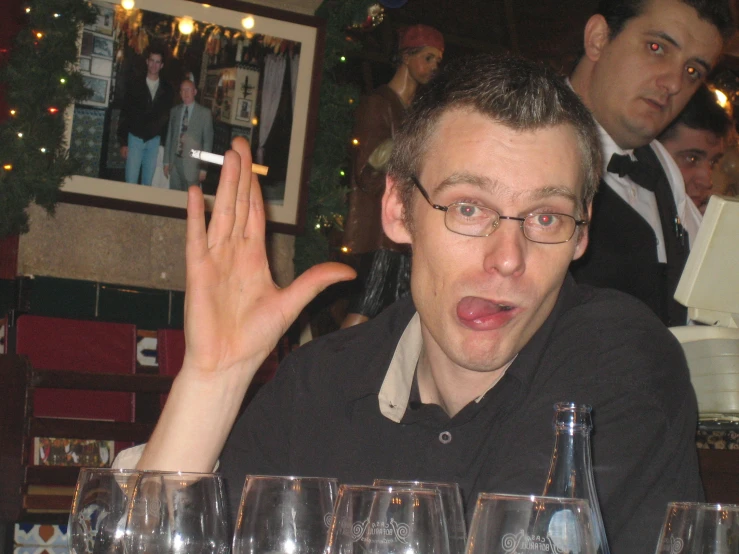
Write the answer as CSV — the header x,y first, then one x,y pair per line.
x,y
217,159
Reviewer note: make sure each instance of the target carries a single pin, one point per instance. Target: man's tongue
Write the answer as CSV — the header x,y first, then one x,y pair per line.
x,y
472,308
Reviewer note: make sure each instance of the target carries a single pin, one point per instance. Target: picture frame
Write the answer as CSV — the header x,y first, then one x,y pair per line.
x,y
86,44
105,19
285,210
102,47
100,67
99,89
243,110
241,132
211,84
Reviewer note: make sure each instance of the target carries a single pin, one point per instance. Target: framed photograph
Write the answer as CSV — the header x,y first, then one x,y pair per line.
x,y
101,67
102,47
105,18
243,112
211,84
86,46
49,451
234,89
99,89
241,132
85,65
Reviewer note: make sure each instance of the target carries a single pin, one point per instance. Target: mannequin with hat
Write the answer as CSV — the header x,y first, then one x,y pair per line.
x,y
383,267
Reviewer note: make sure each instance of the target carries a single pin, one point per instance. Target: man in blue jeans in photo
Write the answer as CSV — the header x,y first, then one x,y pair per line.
x,y
144,119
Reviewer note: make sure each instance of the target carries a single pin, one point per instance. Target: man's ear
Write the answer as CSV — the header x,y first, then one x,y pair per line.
x,y
596,36
393,221
582,235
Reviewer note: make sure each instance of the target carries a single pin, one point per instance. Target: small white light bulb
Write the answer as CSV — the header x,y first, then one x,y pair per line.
x,y
248,22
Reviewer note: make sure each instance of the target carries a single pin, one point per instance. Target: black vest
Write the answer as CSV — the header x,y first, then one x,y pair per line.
x,y
622,251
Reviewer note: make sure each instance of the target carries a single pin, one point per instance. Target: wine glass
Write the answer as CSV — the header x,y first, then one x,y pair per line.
x,y
695,528
512,524
387,520
288,515
97,520
177,513
451,500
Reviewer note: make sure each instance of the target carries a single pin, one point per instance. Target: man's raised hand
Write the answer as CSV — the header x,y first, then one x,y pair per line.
x,y
234,313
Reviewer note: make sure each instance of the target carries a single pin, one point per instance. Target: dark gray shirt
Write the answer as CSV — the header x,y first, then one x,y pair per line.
x,y
323,414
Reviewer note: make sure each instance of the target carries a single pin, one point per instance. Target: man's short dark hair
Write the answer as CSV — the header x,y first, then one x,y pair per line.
x,y
157,49
520,94
702,113
618,12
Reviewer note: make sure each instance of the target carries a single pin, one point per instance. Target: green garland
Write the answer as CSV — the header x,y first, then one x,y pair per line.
x,y
41,83
327,189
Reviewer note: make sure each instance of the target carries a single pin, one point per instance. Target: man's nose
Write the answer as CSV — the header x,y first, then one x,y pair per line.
x,y
505,249
703,177
671,79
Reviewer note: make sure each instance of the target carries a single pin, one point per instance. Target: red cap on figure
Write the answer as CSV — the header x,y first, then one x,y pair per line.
x,y
418,36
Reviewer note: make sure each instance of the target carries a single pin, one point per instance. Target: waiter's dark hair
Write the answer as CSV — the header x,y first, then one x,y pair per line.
x,y
618,12
702,113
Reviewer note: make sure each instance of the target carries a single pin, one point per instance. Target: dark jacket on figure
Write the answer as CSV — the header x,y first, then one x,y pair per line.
x,y
140,115
622,254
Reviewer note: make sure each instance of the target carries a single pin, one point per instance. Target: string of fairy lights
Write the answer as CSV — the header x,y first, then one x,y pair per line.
x,y
41,82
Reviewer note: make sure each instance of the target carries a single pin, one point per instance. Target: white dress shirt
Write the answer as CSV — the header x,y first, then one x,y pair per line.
x,y
153,87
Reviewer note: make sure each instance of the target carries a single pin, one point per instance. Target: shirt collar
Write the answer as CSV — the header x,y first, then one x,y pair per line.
x,y
607,144
609,147
396,387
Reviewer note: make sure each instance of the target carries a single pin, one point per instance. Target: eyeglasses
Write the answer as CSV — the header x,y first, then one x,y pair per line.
x,y
472,220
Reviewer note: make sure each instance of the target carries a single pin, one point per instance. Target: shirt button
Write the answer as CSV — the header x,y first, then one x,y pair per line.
x,y
445,437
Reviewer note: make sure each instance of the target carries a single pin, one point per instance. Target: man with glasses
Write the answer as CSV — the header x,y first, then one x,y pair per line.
x,y
490,182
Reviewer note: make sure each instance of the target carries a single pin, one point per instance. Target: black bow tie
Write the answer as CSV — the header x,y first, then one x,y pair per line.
x,y
637,171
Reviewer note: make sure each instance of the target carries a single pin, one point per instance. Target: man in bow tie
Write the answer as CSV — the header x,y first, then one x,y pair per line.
x,y
642,62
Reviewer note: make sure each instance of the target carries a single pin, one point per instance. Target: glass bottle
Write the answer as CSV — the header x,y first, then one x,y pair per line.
x,y
571,469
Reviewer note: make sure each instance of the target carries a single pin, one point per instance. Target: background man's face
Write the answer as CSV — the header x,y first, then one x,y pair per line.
x,y
424,64
645,75
154,64
188,92
481,299
696,152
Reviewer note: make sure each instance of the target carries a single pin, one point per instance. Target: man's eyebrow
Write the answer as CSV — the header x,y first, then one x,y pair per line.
x,y
490,185
477,180
548,192
668,38
694,151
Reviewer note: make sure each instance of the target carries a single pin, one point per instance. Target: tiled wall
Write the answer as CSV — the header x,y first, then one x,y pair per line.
x,y
40,539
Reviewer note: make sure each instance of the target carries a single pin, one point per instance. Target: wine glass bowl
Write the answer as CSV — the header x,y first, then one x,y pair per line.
x,y
513,524
387,520
451,500
97,519
288,515
177,513
696,528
